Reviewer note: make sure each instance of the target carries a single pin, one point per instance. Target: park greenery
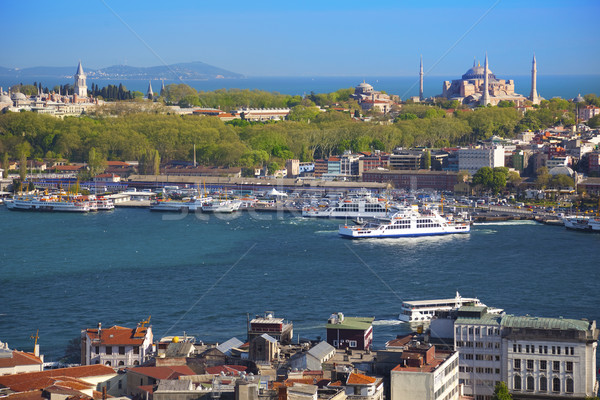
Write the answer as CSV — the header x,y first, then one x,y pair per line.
x,y
149,132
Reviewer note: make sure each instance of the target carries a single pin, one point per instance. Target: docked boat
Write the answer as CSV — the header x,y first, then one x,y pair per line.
x,y
585,224
47,203
193,204
420,311
408,221
104,204
221,206
364,206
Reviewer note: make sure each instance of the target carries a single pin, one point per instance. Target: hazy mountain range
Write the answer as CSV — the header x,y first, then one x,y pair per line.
x,y
185,71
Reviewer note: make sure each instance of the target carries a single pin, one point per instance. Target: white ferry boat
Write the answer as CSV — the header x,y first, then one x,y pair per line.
x,y
104,204
177,205
408,221
351,207
221,206
585,224
423,310
47,203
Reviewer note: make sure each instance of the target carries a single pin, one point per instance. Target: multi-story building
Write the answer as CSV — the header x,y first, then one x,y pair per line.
x,y
116,346
321,167
586,112
472,159
406,160
279,329
478,341
370,161
413,180
549,357
349,332
594,163
536,357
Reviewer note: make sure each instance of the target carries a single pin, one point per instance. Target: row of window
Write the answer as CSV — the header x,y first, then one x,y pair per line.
x,y
450,395
479,345
479,370
542,365
518,348
478,330
108,350
432,225
480,357
543,384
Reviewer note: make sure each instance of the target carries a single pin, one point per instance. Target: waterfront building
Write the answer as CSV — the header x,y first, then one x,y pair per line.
x,y
413,180
116,346
349,332
480,86
472,159
425,373
369,161
277,328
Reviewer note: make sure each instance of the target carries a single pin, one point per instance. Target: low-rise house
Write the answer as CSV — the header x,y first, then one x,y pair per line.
x,y
277,328
350,332
143,380
312,359
116,346
264,349
364,387
17,362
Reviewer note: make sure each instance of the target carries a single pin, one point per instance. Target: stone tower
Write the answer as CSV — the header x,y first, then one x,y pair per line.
x,y
485,97
534,96
150,92
421,81
80,82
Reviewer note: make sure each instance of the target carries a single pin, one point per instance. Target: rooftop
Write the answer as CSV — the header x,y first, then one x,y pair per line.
x,y
358,323
19,358
39,380
511,321
118,335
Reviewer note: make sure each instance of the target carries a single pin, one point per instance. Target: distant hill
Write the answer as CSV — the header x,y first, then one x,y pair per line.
x,y
191,71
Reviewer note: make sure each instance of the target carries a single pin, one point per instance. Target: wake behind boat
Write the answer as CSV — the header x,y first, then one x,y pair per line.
x,y
408,221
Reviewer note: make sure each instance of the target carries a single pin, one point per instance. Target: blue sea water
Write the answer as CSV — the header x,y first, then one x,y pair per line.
x,y
548,86
61,273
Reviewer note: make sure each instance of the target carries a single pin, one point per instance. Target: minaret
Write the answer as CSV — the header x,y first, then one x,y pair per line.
x,y
150,92
421,81
534,96
80,82
162,87
485,98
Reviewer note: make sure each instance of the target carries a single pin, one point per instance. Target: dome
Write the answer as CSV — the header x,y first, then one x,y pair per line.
x,y
579,99
5,99
364,85
477,72
18,96
562,170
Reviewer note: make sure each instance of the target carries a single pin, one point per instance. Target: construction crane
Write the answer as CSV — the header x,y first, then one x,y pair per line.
x,y
143,323
36,337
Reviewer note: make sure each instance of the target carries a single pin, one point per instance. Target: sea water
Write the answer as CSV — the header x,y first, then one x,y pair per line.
x,y
204,275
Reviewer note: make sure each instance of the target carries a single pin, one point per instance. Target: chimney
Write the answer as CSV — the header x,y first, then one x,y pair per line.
x,y
36,350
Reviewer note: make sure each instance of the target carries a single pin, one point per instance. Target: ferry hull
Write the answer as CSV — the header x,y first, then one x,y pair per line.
x,y
353,233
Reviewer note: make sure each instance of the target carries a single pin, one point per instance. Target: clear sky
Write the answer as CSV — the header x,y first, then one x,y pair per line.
x,y
306,38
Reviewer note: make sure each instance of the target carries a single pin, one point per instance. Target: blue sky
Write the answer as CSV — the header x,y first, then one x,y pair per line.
x,y
306,38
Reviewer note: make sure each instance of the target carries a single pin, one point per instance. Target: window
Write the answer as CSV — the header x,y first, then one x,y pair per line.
x,y
108,350
471,330
468,356
543,365
517,382
556,366
335,343
477,331
572,350
479,344
569,388
136,362
136,350
352,343
526,348
543,384
540,349
556,385
530,365
122,350
558,350
553,349
520,349
517,364
514,348
120,384
545,349
121,363
569,366
530,385
97,349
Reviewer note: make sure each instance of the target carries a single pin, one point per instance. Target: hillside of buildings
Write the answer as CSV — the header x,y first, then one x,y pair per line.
x,y
316,127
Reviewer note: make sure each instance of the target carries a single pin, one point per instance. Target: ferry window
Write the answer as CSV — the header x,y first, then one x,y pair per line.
x,y
352,343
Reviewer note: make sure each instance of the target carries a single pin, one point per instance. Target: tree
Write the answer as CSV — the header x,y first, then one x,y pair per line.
x,y
463,176
156,163
72,352
514,179
501,392
594,122
427,160
23,166
5,165
542,177
96,162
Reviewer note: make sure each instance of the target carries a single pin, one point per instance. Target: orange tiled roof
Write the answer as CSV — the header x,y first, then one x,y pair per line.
x,y
32,395
19,358
67,376
117,164
227,369
336,383
118,335
360,379
172,372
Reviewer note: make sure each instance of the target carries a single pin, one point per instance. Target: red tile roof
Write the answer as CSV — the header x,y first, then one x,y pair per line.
x,y
227,369
68,167
172,372
117,335
19,358
360,379
32,395
117,164
67,376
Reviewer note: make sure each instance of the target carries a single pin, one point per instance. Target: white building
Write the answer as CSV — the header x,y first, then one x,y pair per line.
x,y
363,387
536,357
478,341
472,159
116,346
425,374
549,357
